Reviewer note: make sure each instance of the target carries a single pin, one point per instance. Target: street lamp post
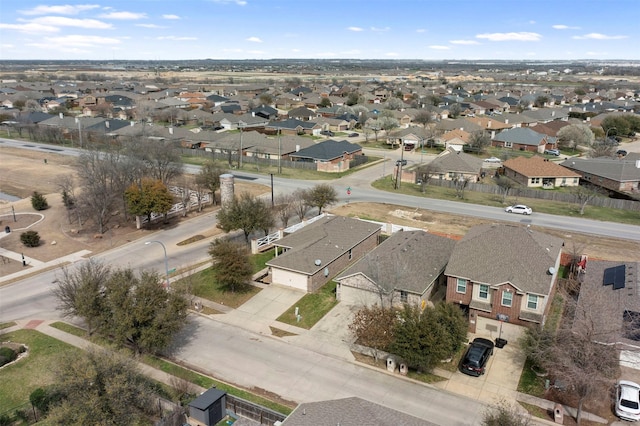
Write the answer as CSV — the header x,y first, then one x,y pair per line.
x,y
166,260
241,125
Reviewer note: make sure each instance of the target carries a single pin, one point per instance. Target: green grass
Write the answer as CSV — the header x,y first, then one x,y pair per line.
x,y
452,365
543,206
424,377
312,307
36,370
204,285
259,260
530,383
208,382
555,313
81,332
7,324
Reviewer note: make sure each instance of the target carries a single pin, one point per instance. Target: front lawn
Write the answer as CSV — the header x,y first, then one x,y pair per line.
x,y
36,370
312,307
203,284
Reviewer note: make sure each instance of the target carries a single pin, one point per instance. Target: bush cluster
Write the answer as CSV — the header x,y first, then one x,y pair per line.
x,y
7,355
39,202
30,238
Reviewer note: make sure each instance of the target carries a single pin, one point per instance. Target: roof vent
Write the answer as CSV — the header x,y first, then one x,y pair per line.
x,y
552,270
318,262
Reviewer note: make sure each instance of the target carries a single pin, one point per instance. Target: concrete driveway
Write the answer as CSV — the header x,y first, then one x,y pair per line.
x,y
499,382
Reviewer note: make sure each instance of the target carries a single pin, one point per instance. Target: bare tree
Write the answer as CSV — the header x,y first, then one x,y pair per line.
x,y
209,177
374,327
460,184
425,173
300,203
505,414
480,140
601,149
162,159
505,186
66,187
284,208
583,194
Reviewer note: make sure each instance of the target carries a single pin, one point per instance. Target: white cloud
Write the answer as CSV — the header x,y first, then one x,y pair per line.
x,y
392,54
598,36
521,36
82,41
149,26
439,47
30,28
564,27
380,30
170,17
254,40
176,38
356,29
59,10
7,46
62,21
421,30
125,16
466,42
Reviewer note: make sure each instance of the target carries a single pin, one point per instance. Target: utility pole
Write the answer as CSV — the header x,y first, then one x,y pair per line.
x,y
240,152
279,151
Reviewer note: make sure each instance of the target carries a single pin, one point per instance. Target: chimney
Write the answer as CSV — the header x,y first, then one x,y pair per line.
x,y
489,124
132,123
170,130
106,124
61,116
637,164
553,113
506,121
297,148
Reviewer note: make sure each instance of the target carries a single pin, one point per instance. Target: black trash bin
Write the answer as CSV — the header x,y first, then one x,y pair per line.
x,y
7,229
500,343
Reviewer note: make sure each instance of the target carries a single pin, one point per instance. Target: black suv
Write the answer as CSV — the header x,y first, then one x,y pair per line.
x,y
476,357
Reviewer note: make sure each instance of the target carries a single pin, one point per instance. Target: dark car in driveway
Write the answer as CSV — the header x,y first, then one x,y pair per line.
x,y
475,359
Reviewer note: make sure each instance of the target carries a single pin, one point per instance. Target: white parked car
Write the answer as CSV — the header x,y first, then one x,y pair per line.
x,y
628,400
519,208
492,160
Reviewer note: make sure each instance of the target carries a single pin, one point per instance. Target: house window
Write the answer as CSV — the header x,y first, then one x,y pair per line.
x,y
535,180
564,181
403,296
532,302
462,286
350,254
452,175
483,293
507,298
575,181
508,144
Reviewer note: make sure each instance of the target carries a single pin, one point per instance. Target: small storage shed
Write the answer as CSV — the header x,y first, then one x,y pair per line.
x,y
209,408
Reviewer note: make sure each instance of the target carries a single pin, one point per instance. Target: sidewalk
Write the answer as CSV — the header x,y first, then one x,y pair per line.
x,y
79,342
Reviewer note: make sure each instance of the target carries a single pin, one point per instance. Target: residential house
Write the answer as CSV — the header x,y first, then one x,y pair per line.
x,y
409,138
313,255
523,139
352,411
294,127
302,114
503,272
452,164
610,300
455,139
330,155
539,172
406,268
615,174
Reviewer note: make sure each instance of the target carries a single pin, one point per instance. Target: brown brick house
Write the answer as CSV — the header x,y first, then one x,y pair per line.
x,y
539,172
503,272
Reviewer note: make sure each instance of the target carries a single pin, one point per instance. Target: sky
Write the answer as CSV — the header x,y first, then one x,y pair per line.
x,y
313,29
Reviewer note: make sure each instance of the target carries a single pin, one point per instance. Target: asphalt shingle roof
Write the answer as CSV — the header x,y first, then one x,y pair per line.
x,y
351,411
495,254
327,150
537,166
324,240
524,136
408,260
619,170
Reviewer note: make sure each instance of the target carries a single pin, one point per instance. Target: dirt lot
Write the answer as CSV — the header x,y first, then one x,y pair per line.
x,y
22,172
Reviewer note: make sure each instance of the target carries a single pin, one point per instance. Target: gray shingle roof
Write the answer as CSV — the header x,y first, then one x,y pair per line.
x,y
495,254
619,170
524,136
451,160
327,150
408,260
351,411
324,240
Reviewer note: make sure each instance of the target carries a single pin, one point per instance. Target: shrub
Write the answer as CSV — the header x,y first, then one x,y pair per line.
x,y
7,355
38,201
5,420
30,238
43,399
